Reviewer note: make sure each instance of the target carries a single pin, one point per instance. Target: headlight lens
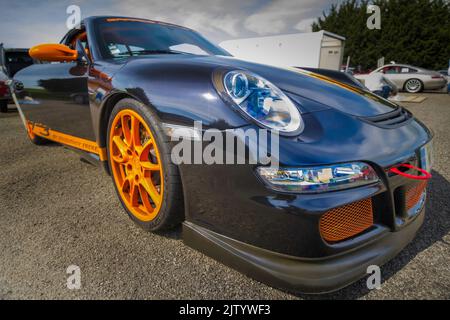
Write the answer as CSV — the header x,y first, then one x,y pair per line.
x,y
426,156
262,101
319,179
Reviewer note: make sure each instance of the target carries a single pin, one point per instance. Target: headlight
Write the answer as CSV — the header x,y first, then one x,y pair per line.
x,y
262,101
319,179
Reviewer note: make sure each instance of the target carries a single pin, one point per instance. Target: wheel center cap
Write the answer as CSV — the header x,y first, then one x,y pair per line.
x,y
136,164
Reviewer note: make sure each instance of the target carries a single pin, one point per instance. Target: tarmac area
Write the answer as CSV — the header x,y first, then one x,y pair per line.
x,y
57,211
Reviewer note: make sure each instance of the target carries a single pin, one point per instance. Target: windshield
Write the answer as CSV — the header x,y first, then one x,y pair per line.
x,y
121,37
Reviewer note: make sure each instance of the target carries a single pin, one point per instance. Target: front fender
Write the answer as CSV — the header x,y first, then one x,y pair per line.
x,y
178,93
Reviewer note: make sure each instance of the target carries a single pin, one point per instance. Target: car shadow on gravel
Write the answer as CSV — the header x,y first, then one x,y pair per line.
x,y
436,225
174,234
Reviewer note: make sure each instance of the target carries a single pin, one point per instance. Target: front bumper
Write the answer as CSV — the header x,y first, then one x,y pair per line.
x,y
276,237
297,274
278,242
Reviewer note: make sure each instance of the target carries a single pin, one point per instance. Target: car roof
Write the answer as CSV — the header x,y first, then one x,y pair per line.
x,y
93,18
400,65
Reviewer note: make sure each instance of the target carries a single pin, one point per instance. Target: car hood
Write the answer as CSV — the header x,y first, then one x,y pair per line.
x,y
302,86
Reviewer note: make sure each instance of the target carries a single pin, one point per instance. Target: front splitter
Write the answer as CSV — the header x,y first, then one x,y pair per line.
x,y
296,274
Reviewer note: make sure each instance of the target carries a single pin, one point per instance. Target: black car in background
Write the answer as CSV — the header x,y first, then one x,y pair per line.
x,y
11,61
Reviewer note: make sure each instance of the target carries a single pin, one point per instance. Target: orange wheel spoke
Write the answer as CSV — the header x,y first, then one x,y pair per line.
x,y
122,147
135,132
124,121
134,195
151,191
143,151
125,186
145,199
147,165
118,159
144,157
147,147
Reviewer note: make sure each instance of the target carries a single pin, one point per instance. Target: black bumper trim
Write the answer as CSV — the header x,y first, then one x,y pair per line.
x,y
297,274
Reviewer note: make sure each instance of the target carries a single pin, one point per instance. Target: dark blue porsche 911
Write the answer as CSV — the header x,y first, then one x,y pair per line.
x,y
345,187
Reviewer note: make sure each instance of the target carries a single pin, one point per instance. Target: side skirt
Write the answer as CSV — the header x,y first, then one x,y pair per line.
x,y
88,146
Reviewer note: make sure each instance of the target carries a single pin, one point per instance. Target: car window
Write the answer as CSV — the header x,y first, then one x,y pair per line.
x,y
133,37
404,70
408,70
391,70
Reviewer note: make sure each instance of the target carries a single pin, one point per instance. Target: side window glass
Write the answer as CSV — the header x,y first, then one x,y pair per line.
x,y
391,70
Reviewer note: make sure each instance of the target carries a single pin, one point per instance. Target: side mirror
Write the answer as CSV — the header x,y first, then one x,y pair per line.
x,y
53,53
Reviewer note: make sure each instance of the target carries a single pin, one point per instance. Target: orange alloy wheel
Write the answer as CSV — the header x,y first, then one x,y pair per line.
x,y
136,165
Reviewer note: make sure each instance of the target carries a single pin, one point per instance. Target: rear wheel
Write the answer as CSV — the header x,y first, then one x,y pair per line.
x,y
3,106
413,86
147,183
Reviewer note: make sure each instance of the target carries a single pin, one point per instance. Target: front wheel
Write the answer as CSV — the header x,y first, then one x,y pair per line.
x,y
147,183
413,86
3,106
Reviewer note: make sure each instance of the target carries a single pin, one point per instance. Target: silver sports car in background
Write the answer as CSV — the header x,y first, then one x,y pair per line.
x,y
445,74
411,79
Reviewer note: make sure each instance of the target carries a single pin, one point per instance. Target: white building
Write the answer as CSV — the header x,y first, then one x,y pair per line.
x,y
321,49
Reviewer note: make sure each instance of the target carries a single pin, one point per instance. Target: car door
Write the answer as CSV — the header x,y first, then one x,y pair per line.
x,y
4,90
55,96
2,55
393,74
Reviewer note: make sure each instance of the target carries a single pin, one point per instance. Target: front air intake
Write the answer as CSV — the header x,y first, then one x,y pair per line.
x,y
414,193
393,119
346,221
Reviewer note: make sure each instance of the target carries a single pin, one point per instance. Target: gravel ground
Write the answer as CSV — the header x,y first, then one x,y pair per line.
x,y
57,211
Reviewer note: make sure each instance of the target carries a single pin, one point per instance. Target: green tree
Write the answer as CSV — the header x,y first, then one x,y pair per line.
x,y
415,32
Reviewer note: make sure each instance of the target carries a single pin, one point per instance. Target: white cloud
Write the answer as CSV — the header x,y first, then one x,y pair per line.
x,y
284,16
218,20
305,25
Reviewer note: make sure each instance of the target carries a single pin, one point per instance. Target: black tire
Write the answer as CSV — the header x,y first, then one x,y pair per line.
x,y
171,213
3,106
413,85
39,141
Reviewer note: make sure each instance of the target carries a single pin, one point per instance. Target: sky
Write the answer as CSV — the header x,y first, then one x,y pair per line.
x,y
28,22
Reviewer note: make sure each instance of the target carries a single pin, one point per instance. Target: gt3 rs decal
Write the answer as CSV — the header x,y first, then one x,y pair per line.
x,y
65,139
